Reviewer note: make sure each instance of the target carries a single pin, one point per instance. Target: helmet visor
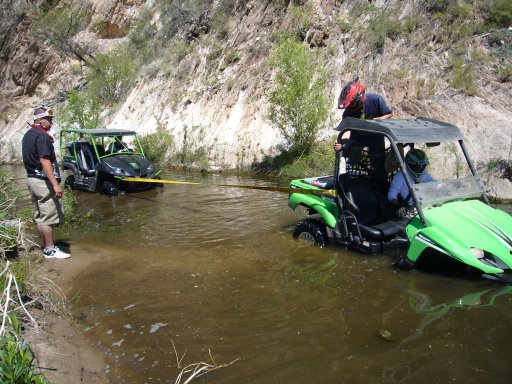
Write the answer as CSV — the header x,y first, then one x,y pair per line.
x,y
417,168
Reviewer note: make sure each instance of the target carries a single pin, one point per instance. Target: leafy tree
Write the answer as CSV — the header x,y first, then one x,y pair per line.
x,y
60,25
112,75
298,105
82,110
157,145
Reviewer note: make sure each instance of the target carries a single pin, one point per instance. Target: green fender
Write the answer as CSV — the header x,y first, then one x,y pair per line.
x,y
325,208
454,236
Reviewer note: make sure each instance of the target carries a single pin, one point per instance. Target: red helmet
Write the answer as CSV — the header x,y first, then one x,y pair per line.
x,y
351,95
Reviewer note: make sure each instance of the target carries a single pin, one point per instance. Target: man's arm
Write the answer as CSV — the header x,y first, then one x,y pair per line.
x,y
385,117
394,188
47,166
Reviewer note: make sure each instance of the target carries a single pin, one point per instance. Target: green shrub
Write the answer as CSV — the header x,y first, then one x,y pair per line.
x,y
462,76
302,16
220,18
157,146
499,13
319,161
143,37
16,358
505,74
381,25
174,15
343,24
82,110
59,25
298,105
113,74
8,231
193,152
231,57
69,204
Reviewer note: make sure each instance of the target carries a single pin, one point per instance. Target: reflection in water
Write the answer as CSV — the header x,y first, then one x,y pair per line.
x,y
201,269
422,304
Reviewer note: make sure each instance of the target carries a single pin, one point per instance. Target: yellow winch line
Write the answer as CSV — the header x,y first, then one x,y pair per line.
x,y
316,192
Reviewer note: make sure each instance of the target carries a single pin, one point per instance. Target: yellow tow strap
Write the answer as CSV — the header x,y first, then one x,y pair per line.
x,y
316,192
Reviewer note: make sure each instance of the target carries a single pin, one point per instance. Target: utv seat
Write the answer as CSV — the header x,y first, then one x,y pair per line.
x,y
365,203
86,158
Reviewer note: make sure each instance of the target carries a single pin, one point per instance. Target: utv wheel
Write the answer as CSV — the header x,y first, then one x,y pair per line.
x,y
310,233
70,182
108,188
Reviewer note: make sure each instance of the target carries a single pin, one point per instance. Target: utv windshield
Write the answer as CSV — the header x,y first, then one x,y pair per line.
x,y
440,192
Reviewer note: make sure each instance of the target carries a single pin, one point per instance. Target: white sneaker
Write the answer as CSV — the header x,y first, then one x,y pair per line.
x,y
55,253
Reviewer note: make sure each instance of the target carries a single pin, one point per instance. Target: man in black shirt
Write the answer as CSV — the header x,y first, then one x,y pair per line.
x,y
43,179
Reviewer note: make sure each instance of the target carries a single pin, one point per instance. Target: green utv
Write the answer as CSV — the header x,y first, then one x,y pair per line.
x,y
97,160
450,226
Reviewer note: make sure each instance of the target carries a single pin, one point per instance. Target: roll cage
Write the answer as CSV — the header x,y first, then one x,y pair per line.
x,y
87,146
408,133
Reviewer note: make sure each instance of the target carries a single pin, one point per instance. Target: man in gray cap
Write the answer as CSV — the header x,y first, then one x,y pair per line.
x,y
43,179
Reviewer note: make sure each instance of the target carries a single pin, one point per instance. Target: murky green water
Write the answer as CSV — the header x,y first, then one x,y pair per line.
x,y
212,272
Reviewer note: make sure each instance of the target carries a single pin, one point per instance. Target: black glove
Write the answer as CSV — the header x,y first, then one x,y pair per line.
x,y
402,212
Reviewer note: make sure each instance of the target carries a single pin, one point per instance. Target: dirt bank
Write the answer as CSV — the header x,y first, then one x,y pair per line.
x,y
63,353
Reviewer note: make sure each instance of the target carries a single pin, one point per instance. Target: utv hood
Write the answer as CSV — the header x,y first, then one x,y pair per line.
x,y
469,231
132,165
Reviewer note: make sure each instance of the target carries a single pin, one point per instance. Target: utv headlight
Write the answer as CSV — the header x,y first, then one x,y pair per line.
x,y
151,168
479,253
489,259
120,171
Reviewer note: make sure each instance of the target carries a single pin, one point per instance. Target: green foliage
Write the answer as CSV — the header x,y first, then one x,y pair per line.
x,y
8,195
16,358
381,25
343,24
157,146
8,231
293,163
437,6
192,152
214,53
69,204
499,13
112,75
142,37
60,24
298,105
220,18
174,15
462,76
505,74
302,16
82,110
319,161
231,57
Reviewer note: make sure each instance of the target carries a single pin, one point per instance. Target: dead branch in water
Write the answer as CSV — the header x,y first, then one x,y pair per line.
x,y
195,370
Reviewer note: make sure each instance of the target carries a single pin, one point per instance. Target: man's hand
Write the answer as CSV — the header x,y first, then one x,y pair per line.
x,y
338,145
58,191
48,172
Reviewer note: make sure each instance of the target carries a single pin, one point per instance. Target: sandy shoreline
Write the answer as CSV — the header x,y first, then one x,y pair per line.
x,y
63,353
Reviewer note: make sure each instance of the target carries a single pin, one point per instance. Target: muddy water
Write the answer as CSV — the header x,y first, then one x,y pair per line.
x,y
193,274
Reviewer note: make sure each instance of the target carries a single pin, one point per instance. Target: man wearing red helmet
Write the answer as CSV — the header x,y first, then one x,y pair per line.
x,y
357,103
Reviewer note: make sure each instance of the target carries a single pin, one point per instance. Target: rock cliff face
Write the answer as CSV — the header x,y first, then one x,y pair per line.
x,y
221,103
